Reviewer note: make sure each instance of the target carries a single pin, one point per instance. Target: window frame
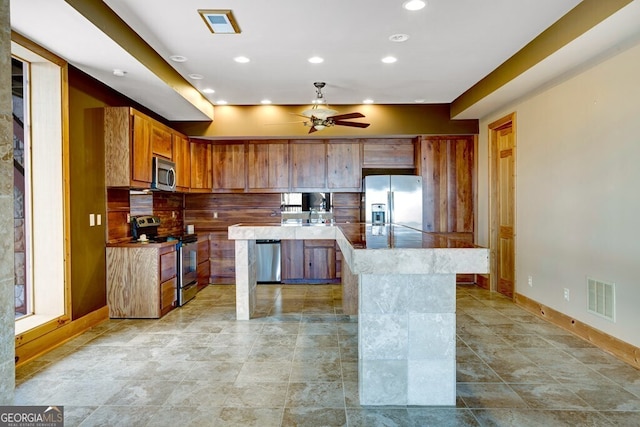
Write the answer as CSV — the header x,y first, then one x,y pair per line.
x,y
51,305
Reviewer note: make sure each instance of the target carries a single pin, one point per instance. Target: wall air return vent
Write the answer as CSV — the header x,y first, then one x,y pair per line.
x,y
220,21
601,299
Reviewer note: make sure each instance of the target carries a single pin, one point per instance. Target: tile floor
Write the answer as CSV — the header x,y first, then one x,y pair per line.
x,y
296,365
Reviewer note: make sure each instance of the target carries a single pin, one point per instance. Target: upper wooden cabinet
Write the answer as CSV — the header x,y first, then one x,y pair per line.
x,y
229,166
161,141
201,167
447,166
182,159
389,153
268,166
127,138
344,171
308,165
131,140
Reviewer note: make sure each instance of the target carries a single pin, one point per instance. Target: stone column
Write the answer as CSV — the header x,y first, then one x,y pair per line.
x,y
407,339
7,304
246,279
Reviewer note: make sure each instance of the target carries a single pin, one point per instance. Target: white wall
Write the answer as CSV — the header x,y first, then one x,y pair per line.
x,y
577,191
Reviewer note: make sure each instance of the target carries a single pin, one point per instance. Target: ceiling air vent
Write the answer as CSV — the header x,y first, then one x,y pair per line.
x,y
601,299
220,21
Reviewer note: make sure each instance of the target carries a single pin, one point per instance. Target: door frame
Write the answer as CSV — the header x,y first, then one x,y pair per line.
x,y
493,128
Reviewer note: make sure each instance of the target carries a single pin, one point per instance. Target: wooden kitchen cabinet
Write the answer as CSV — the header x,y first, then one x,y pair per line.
x,y
201,167
203,260
229,172
182,159
308,261
131,140
344,171
308,165
320,260
127,146
161,141
223,259
389,154
268,166
141,281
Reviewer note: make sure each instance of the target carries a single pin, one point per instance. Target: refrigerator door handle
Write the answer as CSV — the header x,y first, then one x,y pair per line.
x,y
391,206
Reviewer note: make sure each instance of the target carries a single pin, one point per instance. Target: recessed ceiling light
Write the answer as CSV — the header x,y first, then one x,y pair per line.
x,y
316,60
221,102
241,59
399,38
265,101
389,59
178,58
119,73
414,5
419,101
367,101
196,76
208,90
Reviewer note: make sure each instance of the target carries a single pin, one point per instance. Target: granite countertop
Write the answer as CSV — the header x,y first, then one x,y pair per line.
x,y
358,235
136,244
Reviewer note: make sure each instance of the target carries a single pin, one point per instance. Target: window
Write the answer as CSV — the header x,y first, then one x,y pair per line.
x,y
39,97
21,173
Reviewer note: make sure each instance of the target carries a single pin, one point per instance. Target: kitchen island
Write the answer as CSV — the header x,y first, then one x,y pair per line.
x,y
406,287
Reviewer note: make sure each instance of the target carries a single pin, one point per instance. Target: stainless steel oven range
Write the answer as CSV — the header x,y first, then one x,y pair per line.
x,y
186,246
187,268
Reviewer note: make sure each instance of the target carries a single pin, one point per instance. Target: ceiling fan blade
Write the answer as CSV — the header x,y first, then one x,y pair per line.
x,y
346,116
352,124
313,129
299,115
284,123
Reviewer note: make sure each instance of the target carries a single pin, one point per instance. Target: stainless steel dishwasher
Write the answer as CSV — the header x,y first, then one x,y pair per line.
x,y
268,261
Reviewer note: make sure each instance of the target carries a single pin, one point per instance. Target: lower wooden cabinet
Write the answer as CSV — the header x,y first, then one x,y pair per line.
x,y
141,281
223,259
312,261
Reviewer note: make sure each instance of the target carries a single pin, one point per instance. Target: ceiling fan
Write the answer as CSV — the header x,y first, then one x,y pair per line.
x,y
320,116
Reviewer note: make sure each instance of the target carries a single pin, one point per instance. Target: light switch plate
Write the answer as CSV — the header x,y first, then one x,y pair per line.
x,y
92,220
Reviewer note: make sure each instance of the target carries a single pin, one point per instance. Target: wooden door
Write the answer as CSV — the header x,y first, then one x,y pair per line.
x,y
182,158
141,167
229,166
343,166
309,166
268,166
201,174
319,260
161,141
503,150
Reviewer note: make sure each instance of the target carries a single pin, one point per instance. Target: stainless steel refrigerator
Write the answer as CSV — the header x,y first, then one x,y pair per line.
x,y
393,199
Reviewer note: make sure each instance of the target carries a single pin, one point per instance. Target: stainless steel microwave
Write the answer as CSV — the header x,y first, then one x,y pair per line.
x,y
164,175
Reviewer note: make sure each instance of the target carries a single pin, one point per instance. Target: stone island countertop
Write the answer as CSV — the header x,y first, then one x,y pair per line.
x,y
406,302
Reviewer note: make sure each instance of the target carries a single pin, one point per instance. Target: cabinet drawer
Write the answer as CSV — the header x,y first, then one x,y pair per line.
x,y
168,265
